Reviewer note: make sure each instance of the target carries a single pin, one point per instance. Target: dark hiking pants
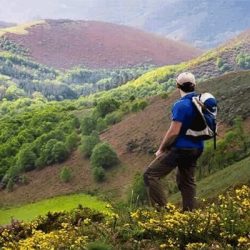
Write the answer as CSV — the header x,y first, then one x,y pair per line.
x,y
185,160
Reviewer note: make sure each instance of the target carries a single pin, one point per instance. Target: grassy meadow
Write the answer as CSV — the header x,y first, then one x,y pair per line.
x,y
62,203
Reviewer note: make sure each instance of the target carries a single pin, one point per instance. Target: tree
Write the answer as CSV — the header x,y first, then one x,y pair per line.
x,y
103,156
59,152
88,144
72,141
106,105
88,125
26,158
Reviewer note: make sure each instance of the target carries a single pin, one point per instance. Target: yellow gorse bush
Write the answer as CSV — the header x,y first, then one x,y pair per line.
x,y
221,225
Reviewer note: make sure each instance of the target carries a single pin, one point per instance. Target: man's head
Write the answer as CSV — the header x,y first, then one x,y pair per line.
x,y
186,82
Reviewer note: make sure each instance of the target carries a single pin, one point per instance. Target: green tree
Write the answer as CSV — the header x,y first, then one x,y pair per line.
x,y
88,125
26,158
106,105
72,141
59,152
88,144
103,156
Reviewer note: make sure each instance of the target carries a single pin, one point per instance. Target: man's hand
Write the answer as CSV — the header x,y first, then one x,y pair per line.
x,y
170,137
158,153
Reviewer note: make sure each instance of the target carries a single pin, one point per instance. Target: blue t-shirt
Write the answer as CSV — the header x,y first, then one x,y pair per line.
x,y
184,111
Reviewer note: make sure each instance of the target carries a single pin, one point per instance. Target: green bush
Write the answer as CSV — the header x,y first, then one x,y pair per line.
x,y
103,156
65,174
101,124
113,118
72,141
231,148
222,66
138,105
99,174
106,105
219,62
88,125
23,179
88,144
243,60
137,193
10,185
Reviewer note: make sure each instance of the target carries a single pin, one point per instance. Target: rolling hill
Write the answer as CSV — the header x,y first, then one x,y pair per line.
x,y
144,130
64,44
205,23
5,25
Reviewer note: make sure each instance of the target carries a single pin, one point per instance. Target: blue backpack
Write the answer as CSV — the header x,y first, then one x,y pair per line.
x,y
204,124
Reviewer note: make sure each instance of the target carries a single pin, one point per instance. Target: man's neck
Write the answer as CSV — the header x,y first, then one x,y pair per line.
x,y
182,93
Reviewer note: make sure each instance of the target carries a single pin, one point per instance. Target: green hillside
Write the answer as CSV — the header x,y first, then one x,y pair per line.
x,y
20,76
220,181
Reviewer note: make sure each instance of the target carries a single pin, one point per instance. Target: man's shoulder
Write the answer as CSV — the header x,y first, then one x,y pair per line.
x,y
182,103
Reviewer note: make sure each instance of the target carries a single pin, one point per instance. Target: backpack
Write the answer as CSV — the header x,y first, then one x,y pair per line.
x,y
204,125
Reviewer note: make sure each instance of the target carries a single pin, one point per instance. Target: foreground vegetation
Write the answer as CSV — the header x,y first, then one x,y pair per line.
x,y
220,225
221,180
62,203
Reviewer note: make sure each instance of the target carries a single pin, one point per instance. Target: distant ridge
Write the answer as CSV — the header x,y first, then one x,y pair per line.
x,y
65,43
5,24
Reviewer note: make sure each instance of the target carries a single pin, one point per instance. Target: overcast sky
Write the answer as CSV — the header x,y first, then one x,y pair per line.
x,y
24,10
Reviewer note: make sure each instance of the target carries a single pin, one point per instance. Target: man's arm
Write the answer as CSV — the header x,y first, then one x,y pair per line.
x,y
170,137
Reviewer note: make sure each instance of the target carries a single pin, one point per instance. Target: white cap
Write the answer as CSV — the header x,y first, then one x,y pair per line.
x,y
185,77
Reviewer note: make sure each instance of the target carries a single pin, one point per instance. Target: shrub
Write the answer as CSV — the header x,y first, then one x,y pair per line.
x,y
139,105
88,125
71,141
10,185
23,179
103,156
230,149
222,66
219,62
243,60
113,117
88,144
106,105
137,193
99,174
65,174
101,124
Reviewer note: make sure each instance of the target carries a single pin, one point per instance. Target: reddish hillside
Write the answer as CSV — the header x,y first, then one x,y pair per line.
x,y
65,43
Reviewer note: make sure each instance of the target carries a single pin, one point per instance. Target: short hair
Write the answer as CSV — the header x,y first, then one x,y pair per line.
x,y
186,87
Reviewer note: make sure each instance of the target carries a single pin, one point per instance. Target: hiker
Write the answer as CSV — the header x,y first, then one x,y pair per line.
x,y
177,150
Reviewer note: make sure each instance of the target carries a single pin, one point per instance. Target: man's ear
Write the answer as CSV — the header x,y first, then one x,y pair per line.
x,y
178,85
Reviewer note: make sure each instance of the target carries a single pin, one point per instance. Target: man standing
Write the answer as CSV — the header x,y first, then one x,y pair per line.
x,y
177,150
